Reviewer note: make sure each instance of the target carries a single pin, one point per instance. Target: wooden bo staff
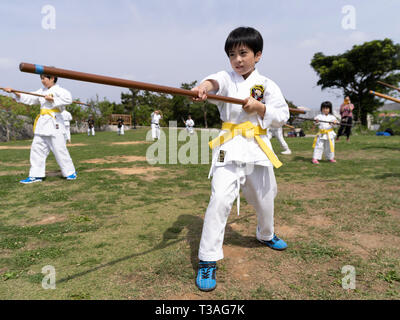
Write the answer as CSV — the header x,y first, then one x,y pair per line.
x,y
341,124
388,85
81,76
384,96
40,95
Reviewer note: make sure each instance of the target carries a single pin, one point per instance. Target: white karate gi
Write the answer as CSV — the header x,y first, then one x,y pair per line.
x,y
322,145
67,118
155,125
189,126
49,132
278,133
243,162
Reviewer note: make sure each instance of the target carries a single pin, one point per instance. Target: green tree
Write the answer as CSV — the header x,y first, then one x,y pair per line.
x,y
356,71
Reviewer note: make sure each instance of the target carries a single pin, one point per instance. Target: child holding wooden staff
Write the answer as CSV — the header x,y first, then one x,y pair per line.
x,y
49,129
242,153
324,141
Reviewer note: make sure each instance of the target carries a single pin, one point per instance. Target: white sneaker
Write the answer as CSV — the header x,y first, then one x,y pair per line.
x,y
287,152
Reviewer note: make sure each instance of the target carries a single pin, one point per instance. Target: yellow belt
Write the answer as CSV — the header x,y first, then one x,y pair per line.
x,y
323,131
43,112
248,130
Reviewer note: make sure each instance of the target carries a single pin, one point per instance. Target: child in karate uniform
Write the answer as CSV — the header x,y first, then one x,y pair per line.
x,y
49,130
278,133
155,124
242,153
189,124
67,116
324,142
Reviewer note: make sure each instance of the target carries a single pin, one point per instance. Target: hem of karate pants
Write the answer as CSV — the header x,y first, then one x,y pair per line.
x,y
210,257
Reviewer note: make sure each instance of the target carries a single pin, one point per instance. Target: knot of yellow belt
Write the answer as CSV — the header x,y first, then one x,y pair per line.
x,y
248,130
322,132
43,112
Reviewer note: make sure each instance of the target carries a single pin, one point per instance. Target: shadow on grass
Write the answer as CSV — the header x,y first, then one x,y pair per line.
x,y
387,175
194,225
395,148
303,159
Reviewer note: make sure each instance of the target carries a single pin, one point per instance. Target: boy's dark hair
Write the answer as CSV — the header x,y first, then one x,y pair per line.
x,y
327,104
248,36
48,77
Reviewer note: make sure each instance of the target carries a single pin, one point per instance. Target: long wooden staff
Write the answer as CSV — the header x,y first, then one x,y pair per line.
x,y
384,96
388,85
40,95
309,119
88,77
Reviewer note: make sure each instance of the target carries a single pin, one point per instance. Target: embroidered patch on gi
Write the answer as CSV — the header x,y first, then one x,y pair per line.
x,y
56,125
221,157
257,92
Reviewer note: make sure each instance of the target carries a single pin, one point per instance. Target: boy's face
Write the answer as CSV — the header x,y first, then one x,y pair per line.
x,y
47,82
325,111
243,60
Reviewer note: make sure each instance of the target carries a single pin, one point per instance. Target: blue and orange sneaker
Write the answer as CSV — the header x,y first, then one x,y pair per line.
x,y
31,180
206,280
275,243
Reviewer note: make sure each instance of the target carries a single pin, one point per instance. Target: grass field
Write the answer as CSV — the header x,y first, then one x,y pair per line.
x,y
129,230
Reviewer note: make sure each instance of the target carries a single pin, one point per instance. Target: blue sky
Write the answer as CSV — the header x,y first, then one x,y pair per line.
x,y
176,41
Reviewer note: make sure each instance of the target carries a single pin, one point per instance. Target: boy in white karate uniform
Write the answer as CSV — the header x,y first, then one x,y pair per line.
x,y
155,124
49,130
278,133
67,116
324,142
189,124
242,153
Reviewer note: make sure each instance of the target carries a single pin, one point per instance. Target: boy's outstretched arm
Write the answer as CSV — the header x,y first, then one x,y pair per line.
x,y
205,87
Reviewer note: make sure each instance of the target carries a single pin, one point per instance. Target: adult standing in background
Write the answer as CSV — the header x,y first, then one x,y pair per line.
x,y
346,114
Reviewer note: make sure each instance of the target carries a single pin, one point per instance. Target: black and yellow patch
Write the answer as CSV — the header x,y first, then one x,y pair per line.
x,y
257,92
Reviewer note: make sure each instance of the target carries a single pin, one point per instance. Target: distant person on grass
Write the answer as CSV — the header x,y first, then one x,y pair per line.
x,y
67,116
90,130
49,130
240,160
278,133
120,126
324,142
156,116
346,114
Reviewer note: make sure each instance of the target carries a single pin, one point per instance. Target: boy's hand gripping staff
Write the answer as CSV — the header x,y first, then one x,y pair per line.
x,y
81,76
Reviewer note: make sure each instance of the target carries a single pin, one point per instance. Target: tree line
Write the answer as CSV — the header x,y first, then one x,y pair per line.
x,y
353,73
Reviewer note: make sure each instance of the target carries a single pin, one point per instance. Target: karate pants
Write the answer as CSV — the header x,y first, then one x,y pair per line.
x,y
278,133
121,130
68,133
190,130
41,146
90,131
155,131
322,147
259,188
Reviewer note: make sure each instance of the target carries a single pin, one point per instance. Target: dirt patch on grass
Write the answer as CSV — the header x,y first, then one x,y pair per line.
x,y
116,159
147,172
76,144
131,142
49,220
15,147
